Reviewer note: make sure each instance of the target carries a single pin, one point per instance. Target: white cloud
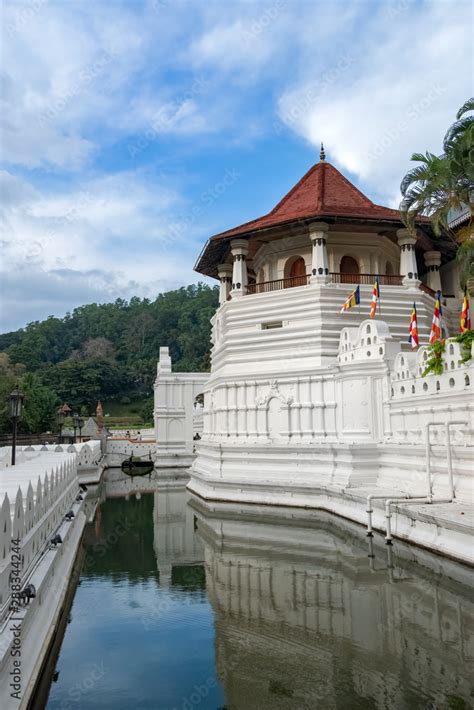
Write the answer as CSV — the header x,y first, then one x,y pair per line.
x,y
89,88
396,95
91,241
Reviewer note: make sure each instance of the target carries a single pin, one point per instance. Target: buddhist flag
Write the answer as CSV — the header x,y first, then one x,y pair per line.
x,y
435,334
353,300
465,322
375,297
413,329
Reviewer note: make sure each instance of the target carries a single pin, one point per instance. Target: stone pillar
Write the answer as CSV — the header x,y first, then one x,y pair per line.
x,y
318,232
433,262
239,249
224,272
408,267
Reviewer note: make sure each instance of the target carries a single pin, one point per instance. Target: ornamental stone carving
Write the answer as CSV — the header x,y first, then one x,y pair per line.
x,y
273,391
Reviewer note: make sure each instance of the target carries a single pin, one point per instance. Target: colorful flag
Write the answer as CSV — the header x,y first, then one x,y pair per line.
x,y
353,300
413,329
375,297
436,322
465,322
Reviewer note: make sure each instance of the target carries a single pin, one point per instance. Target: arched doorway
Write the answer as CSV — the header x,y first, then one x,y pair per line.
x,y
295,271
349,269
389,269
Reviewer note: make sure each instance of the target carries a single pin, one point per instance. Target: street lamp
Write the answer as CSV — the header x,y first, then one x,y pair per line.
x,y
16,404
75,424
61,417
80,424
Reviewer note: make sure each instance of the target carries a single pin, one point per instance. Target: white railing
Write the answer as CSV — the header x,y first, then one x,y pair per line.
x,y
34,498
88,453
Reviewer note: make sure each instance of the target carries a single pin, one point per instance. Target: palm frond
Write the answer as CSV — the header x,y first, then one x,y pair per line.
x,y
467,106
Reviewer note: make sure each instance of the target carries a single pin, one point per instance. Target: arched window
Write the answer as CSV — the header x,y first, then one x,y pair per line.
x,y
349,267
295,271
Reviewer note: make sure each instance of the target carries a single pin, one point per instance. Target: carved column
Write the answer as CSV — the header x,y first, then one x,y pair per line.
x,y
433,262
318,232
239,249
408,266
224,272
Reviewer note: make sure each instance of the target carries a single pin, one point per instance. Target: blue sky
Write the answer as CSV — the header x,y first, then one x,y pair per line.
x,y
133,130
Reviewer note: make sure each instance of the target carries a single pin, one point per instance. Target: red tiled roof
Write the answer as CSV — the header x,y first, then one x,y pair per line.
x,y
323,191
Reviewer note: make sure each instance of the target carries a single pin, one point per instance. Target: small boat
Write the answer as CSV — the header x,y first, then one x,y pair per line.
x,y
134,466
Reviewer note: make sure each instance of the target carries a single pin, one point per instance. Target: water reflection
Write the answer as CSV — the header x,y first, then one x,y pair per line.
x,y
185,605
305,619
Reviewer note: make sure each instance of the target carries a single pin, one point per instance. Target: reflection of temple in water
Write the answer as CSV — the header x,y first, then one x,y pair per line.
x,y
177,547
303,622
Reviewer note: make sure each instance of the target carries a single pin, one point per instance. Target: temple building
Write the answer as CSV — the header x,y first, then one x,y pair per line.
x,y
303,397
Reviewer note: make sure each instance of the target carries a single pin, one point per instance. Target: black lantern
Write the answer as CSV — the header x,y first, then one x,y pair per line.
x,y
15,400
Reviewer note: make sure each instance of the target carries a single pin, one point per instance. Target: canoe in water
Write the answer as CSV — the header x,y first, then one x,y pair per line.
x,y
134,466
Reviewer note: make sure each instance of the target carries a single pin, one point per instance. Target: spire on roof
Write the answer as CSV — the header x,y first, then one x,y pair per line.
x,y
322,154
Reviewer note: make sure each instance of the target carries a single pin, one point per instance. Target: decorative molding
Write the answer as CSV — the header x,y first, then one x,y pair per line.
x,y
273,391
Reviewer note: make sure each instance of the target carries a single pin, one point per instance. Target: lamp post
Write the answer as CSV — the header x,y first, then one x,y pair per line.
x,y
16,404
75,424
61,417
80,424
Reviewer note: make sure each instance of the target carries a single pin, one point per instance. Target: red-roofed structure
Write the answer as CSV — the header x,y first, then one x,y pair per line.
x,y
323,193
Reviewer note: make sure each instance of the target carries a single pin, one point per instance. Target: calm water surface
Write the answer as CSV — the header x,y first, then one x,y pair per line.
x,y
182,606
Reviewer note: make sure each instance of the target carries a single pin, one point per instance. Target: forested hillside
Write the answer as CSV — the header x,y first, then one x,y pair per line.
x,y
104,351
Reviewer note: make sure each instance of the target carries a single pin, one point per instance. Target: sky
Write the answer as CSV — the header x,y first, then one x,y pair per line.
x,y
132,130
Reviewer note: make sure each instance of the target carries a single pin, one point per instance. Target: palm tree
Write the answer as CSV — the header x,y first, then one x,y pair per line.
x,y
443,185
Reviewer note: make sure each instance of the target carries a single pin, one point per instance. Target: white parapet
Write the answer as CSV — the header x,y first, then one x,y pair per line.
x,y
88,453
34,497
39,501
175,411
293,429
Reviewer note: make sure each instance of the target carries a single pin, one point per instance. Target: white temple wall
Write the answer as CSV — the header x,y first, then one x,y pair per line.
x,y
450,280
174,406
296,330
357,422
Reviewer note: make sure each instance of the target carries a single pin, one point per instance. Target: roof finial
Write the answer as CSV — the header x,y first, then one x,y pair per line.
x,y
322,154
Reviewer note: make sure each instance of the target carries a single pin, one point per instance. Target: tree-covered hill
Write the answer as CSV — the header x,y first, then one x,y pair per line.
x,y
107,351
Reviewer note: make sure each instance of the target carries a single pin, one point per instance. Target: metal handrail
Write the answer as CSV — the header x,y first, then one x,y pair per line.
x,y
337,278
278,284
366,279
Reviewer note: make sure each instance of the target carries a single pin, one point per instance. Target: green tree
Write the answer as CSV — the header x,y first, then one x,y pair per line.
x,y
442,183
10,375
109,351
40,406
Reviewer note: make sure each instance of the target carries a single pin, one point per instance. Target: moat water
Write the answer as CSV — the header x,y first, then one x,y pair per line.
x,y
181,606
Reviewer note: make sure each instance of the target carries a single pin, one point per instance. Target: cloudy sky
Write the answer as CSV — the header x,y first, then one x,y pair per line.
x,y
131,130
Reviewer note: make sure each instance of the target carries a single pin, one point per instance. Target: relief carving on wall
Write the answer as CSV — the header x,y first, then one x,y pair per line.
x,y
273,391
